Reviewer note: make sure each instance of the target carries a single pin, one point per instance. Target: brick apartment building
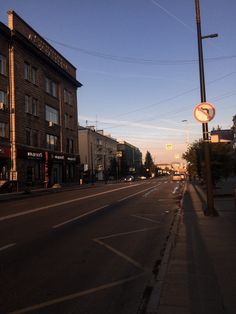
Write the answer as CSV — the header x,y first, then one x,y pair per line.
x,y
38,109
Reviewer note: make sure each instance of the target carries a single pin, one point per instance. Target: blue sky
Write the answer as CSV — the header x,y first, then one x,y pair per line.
x,y
137,61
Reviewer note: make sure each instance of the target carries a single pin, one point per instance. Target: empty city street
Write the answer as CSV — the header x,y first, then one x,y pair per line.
x,y
87,250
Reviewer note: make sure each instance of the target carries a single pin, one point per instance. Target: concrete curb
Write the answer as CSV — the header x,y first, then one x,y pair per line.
x,y
157,284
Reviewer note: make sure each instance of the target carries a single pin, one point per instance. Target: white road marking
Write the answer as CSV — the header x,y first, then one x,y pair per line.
x,y
145,218
27,212
5,247
152,190
80,216
119,253
175,190
129,196
125,233
76,295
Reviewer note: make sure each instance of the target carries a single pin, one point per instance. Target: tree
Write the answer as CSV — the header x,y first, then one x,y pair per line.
x,y
149,164
221,160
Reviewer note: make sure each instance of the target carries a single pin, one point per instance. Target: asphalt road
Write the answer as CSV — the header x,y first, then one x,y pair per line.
x,y
84,251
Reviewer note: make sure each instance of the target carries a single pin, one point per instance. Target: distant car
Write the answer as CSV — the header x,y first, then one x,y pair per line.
x,y
143,178
176,177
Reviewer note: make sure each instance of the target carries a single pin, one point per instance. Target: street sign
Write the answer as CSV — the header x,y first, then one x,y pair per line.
x,y
169,146
204,112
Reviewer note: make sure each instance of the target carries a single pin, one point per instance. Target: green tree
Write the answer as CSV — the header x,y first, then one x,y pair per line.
x,y
221,160
149,164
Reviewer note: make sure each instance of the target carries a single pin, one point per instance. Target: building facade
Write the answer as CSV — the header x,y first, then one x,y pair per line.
x,y
130,160
38,109
97,153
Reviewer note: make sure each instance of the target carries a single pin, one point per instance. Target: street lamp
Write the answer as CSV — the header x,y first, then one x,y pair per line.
x,y
187,131
210,202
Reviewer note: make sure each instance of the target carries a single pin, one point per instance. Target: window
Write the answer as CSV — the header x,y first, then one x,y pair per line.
x,y
3,65
54,89
52,115
67,97
3,97
66,119
28,136
35,138
31,105
34,110
34,75
4,130
69,146
27,71
52,142
50,87
27,103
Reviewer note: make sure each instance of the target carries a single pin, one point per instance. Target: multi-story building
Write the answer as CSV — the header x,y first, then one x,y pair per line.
x,y
130,160
97,153
38,108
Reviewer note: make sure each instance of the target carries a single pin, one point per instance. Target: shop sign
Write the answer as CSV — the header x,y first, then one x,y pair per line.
x,y
57,157
34,155
71,158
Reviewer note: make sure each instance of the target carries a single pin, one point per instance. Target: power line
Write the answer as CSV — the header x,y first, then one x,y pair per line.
x,y
133,60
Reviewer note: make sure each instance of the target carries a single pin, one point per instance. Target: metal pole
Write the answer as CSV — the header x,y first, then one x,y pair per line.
x,y
210,201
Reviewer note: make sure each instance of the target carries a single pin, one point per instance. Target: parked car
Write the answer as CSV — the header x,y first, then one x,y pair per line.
x,y
128,178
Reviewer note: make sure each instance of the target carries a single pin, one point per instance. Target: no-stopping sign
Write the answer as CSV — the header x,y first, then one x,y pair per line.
x,y
204,112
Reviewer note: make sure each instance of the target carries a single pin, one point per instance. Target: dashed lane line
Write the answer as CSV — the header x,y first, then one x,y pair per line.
x,y
77,295
80,216
27,212
5,247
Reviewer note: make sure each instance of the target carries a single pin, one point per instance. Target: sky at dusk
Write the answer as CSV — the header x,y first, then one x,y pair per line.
x,y
138,63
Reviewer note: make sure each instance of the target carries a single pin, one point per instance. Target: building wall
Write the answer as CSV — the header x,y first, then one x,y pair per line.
x,y
97,151
36,162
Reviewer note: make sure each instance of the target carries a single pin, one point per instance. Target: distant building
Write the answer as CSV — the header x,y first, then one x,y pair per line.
x,y
38,109
222,136
97,153
164,168
130,160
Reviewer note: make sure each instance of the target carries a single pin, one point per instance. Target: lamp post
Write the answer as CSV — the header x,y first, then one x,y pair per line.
x,y
210,201
187,131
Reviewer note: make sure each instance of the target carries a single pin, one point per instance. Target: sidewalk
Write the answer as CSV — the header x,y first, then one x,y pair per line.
x,y
201,273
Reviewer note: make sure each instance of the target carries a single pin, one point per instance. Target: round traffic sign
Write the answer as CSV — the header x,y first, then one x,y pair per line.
x,y
204,112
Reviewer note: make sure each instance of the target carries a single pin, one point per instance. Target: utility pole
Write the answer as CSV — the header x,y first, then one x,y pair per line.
x,y
210,201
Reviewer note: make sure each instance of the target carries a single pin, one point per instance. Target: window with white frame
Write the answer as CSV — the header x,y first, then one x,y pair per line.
x,y
52,114
4,130
3,65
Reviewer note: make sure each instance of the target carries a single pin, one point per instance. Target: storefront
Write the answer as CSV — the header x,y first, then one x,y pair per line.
x,y
30,167
61,168
5,162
